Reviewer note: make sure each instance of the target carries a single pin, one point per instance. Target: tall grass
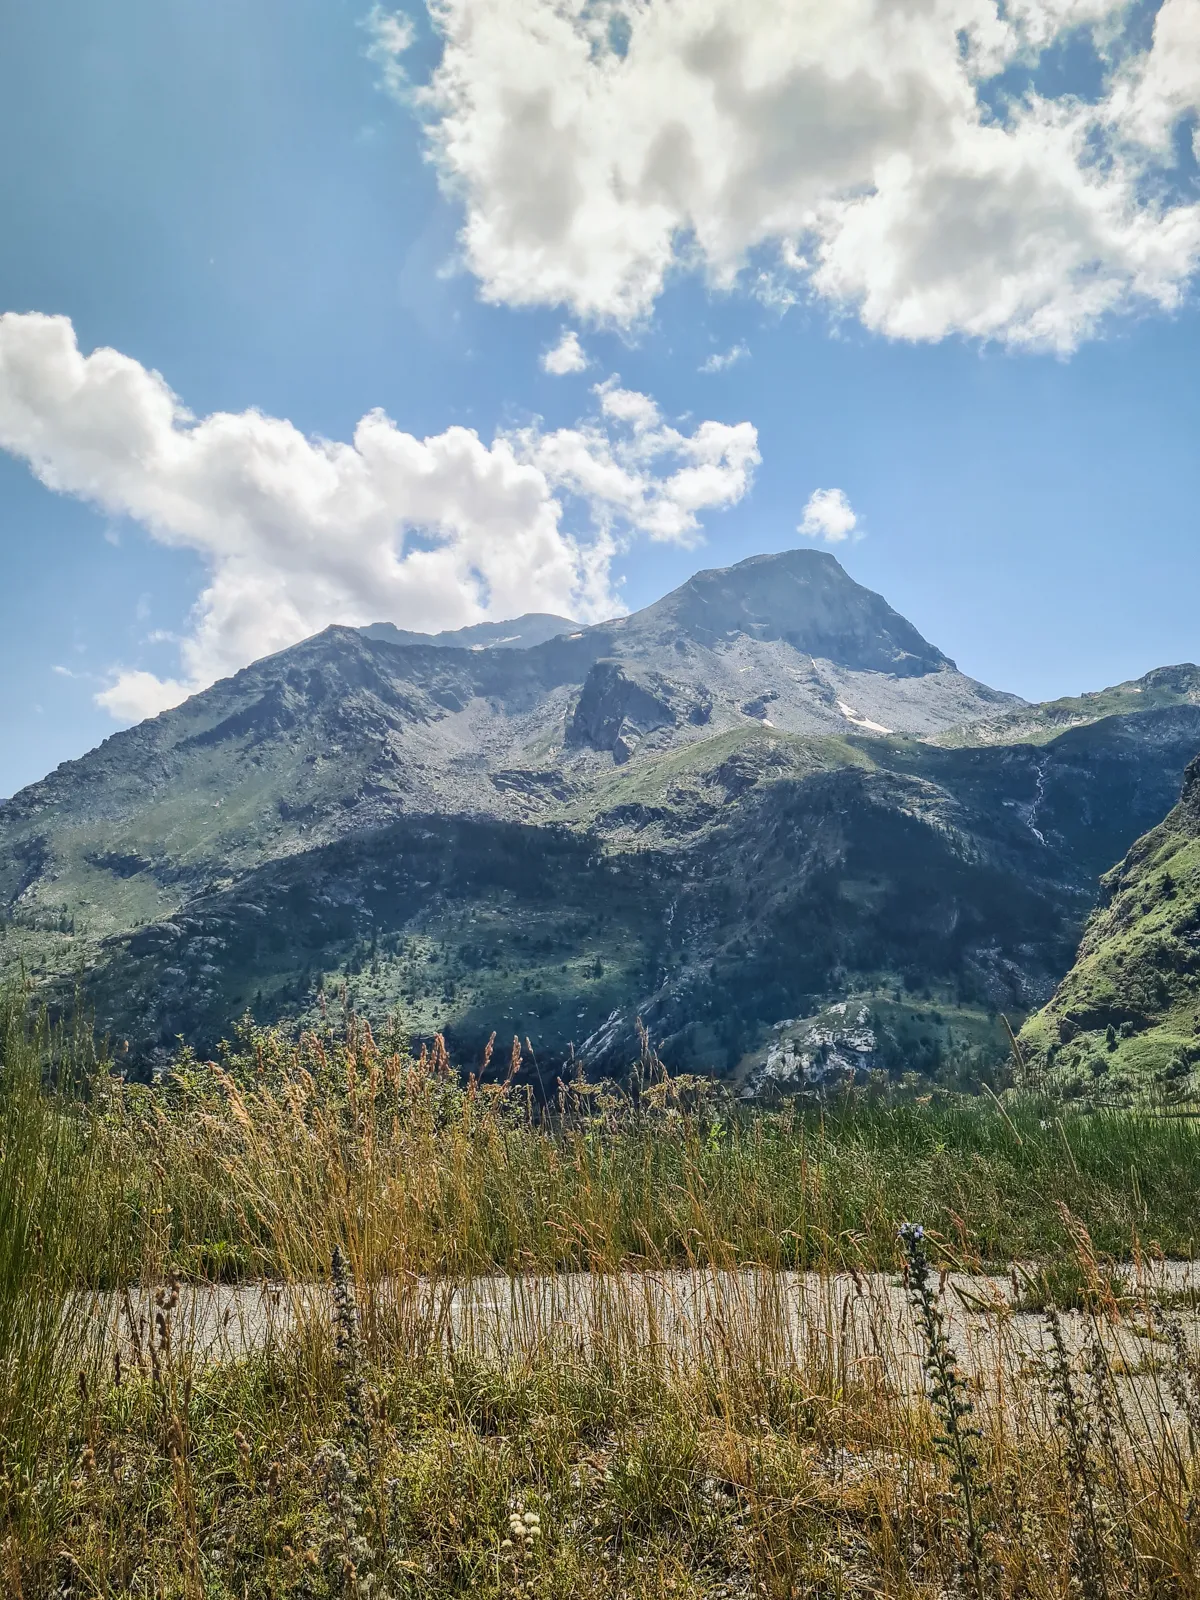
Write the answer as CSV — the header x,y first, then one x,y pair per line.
x,y
53,1229
259,1165
552,1349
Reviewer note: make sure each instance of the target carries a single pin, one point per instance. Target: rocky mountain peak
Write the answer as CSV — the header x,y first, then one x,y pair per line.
x,y
805,598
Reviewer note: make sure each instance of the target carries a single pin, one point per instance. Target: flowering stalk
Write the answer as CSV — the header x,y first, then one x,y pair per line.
x,y
348,1348
948,1396
1086,1541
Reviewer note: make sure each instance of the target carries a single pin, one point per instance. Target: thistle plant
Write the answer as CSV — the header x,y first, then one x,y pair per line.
x,y
344,1469
1183,1378
348,1349
1111,1426
1087,1544
958,1440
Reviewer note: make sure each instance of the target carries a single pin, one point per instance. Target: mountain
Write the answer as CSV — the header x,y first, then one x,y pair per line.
x,y
535,627
1165,687
755,799
1125,1021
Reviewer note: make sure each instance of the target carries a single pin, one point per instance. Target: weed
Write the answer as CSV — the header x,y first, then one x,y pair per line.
x,y
960,1437
1076,1425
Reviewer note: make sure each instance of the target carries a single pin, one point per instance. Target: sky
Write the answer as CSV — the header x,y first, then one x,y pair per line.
x,y
313,312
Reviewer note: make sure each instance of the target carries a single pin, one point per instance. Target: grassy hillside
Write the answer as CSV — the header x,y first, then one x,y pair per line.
x,y
1126,1019
1164,687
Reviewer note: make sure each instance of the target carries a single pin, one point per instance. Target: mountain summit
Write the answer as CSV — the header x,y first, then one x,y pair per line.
x,y
803,598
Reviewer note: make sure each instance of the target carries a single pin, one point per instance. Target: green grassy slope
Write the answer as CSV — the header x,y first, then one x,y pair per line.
x,y
1036,724
1126,1019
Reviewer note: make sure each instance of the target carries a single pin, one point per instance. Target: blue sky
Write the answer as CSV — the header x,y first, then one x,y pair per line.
x,y
228,195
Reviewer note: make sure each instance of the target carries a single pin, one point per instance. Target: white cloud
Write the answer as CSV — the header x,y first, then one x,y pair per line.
x,y
1154,92
864,152
568,355
829,516
298,533
136,695
392,35
720,361
633,468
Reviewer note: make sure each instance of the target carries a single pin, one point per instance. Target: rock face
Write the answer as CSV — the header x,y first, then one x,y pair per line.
x,y
728,808
1125,1021
619,705
840,1045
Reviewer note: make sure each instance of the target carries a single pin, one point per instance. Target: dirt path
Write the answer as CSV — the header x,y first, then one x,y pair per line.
x,y
858,1329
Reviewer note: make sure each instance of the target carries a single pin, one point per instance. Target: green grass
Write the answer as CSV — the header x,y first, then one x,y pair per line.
x,y
681,774
1125,1021
250,1163
55,1193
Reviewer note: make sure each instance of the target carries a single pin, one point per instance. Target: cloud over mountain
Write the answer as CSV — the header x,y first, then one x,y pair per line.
x,y
300,532
902,160
829,516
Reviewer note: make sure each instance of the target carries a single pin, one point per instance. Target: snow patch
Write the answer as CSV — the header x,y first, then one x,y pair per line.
x,y
851,715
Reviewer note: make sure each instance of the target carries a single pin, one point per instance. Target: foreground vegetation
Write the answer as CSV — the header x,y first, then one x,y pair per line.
x,y
379,1444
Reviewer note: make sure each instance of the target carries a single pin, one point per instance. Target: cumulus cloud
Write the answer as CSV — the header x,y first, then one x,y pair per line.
x,y
568,355
1156,92
634,469
720,361
298,533
829,516
135,695
878,154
